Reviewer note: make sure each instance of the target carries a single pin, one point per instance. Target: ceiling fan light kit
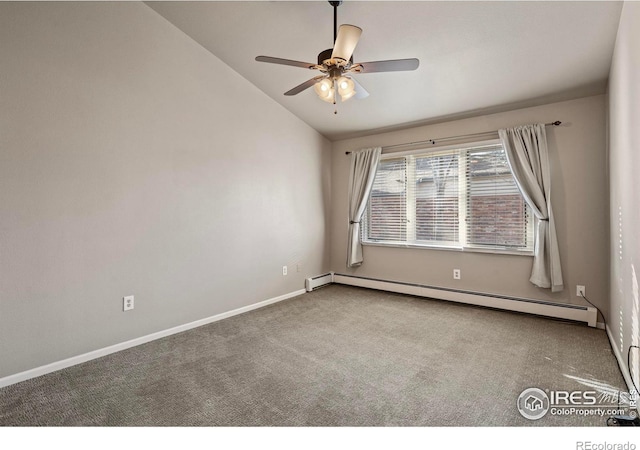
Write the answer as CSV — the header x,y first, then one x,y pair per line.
x,y
336,65
325,90
346,88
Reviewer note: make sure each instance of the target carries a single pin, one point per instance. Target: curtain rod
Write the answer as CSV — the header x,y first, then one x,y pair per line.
x,y
453,138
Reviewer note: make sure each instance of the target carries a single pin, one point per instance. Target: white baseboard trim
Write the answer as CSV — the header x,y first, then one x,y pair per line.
x,y
622,363
74,360
538,307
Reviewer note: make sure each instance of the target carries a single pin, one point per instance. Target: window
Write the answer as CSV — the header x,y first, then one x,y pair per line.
x,y
461,197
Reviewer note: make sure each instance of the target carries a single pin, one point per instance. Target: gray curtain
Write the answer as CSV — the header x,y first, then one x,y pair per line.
x,y
527,154
364,164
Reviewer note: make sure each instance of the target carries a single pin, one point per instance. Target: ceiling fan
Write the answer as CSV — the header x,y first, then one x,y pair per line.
x,y
336,65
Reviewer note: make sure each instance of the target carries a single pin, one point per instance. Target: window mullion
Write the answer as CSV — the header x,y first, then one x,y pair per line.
x,y
462,197
411,197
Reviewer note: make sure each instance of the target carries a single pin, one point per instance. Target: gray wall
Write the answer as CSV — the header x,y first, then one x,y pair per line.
x,y
624,155
579,195
132,161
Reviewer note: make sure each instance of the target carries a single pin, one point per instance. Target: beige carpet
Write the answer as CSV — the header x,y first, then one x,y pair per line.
x,y
339,356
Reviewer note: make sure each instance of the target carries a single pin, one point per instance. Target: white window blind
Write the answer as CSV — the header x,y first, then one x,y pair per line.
x,y
436,197
386,216
461,197
497,214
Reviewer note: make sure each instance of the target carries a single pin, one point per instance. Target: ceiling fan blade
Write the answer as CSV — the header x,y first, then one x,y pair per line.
x,y
360,91
393,65
346,41
306,85
285,62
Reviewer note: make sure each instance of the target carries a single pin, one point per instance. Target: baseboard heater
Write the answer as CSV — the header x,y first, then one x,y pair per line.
x,y
549,309
317,282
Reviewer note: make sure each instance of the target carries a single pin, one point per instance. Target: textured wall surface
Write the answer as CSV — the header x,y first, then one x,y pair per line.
x,y
624,165
134,162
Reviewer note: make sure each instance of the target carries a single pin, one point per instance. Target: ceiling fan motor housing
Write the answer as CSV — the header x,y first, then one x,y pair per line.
x,y
325,57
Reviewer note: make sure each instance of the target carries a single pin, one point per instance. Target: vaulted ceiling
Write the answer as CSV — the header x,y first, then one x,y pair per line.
x,y
475,57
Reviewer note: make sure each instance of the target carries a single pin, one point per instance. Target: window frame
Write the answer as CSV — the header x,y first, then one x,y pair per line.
x,y
462,244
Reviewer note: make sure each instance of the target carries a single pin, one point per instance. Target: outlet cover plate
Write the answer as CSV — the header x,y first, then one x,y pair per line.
x,y
128,303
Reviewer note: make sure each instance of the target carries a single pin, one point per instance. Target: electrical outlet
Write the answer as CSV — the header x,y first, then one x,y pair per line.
x,y
284,270
128,303
456,274
581,291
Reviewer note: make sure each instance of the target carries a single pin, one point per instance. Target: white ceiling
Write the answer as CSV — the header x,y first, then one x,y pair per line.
x,y
474,56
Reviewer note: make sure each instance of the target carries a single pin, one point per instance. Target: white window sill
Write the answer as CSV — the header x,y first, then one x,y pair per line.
x,y
499,251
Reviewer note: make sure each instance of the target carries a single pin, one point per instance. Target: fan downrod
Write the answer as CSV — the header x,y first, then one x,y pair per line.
x,y
335,5
325,55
